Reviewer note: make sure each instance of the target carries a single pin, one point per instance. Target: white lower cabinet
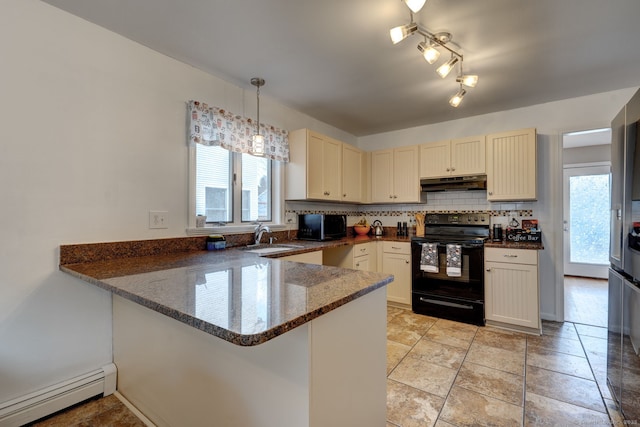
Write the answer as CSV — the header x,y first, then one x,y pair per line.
x,y
396,260
361,256
511,289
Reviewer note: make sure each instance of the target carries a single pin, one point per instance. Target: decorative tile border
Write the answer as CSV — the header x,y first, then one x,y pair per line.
x,y
356,212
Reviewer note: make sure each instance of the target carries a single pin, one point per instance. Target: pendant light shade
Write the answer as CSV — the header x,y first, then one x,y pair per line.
x,y
415,5
469,80
446,68
457,98
257,139
401,32
429,52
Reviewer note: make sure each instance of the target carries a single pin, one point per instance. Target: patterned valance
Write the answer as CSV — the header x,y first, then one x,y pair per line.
x,y
215,126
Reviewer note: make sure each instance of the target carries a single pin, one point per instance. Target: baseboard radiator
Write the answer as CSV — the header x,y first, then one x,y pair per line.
x,y
47,401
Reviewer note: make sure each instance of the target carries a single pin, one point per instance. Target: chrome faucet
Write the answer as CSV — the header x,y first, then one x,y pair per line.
x,y
259,230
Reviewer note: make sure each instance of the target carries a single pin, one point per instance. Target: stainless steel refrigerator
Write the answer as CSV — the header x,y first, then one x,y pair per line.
x,y
623,343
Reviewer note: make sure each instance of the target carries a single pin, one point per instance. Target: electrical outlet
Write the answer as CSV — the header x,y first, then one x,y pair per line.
x,y
291,218
158,219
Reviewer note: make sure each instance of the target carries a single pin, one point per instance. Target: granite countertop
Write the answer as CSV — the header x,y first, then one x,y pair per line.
x,y
233,294
537,246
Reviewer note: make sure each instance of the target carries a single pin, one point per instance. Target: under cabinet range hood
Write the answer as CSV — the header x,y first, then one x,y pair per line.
x,y
475,182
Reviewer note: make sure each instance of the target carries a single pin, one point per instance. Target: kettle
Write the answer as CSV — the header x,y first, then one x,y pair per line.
x,y
378,230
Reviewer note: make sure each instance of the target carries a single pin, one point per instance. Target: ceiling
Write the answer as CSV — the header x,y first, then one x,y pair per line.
x,y
334,60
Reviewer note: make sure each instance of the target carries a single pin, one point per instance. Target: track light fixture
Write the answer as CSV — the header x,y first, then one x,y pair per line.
x,y
431,48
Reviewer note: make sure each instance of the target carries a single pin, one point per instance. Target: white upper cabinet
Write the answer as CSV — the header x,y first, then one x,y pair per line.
x,y
511,165
395,176
314,170
458,157
352,167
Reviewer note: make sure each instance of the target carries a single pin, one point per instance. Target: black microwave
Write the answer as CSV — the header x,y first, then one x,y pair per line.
x,y
321,226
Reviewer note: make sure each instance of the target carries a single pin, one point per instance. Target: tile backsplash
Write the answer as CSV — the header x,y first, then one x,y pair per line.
x,y
441,202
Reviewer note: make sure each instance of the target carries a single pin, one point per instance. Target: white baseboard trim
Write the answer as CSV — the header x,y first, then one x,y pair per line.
x,y
49,400
133,409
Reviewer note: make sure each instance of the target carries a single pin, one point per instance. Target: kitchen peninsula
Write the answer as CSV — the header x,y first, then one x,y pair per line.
x,y
232,338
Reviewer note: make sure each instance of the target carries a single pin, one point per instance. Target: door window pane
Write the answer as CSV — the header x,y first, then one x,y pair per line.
x,y
256,188
589,213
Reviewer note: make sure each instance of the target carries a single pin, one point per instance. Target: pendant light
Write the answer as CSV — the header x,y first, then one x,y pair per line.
x,y
257,139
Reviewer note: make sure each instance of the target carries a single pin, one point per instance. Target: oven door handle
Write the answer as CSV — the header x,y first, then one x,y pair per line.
x,y
447,303
463,246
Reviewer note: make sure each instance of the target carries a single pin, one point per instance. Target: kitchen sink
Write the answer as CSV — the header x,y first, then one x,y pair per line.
x,y
267,249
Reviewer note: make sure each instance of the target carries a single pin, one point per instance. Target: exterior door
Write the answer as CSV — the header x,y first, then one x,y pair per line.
x,y
586,221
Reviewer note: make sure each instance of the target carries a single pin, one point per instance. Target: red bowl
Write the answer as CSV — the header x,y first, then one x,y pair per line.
x,y
361,230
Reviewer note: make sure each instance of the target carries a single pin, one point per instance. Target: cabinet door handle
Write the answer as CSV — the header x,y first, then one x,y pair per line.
x,y
448,169
390,196
491,193
395,197
406,261
510,256
358,265
452,169
395,247
488,269
362,250
344,195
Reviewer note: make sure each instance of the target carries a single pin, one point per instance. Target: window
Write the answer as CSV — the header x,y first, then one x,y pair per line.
x,y
232,188
256,185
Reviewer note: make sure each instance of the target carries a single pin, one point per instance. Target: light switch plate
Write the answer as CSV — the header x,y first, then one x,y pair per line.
x,y
158,219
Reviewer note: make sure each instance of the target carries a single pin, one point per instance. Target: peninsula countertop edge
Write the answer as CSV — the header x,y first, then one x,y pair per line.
x,y
232,294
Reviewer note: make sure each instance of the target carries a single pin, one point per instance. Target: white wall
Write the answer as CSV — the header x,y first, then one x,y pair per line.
x,y
550,120
92,137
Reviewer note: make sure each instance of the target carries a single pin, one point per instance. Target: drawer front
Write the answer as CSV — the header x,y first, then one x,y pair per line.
x,y
396,248
362,263
361,249
515,256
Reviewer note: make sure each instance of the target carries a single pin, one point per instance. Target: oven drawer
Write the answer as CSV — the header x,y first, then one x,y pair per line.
x,y
448,308
514,256
396,248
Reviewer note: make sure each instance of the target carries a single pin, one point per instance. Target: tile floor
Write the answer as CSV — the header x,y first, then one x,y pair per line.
x,y
443,373
102,412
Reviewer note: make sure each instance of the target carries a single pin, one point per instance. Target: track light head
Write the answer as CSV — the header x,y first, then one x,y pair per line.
x,y
457,98
429,52
469,80
446,68
415,5
401,32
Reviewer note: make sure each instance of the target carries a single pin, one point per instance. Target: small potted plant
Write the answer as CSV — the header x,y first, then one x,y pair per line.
x,y
362,227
